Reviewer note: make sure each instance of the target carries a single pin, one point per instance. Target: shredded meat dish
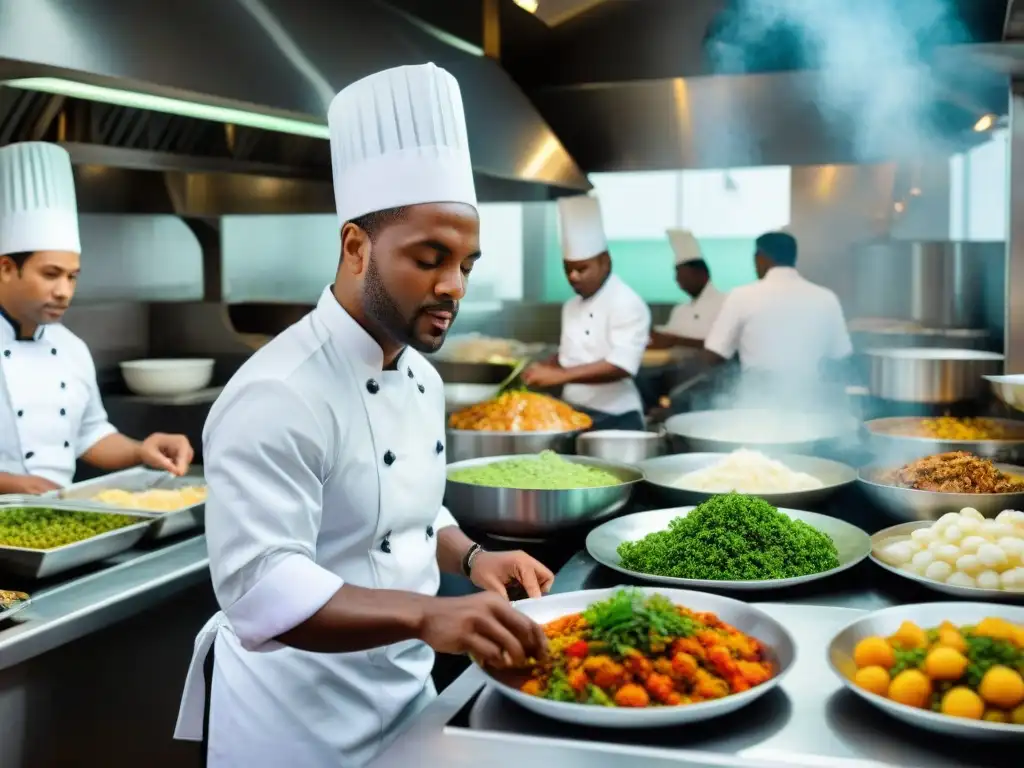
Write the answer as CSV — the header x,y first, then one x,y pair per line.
x,y
954,472
520,412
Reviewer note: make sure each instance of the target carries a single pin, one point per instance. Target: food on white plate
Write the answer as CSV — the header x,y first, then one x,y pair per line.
x,y
746,471
963,549
153,500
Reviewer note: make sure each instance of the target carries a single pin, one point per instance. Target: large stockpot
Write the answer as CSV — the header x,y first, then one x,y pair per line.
x,y
934,376
770,432
620,445
465,444
536,513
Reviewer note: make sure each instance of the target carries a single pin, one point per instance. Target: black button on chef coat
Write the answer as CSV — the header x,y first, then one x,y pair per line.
x,y
439,447
389,458
421,388
30,454
372,387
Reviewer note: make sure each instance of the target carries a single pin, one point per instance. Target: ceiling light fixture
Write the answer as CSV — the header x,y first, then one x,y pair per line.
x,y
530,6
985,122
136,100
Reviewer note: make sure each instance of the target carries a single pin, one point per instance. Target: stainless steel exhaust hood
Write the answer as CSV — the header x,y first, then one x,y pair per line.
x,y
202,94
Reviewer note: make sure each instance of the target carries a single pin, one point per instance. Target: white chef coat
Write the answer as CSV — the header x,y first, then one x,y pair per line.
x,y
612,325
50,407
322,470
694,319
782,323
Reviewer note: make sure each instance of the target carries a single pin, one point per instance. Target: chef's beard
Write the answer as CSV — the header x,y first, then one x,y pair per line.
x,y
383,310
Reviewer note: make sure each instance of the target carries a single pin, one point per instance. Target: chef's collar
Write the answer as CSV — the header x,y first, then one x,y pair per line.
x,y
781,273
603,287
349,336
7,321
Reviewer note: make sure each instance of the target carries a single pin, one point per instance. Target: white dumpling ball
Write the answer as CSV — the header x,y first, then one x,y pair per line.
x,y
924,536
969,564
952,534
992,530
991,556
1012,580
971,544
911,568
972,514
988,580
922,559
899,553
949,553
1013,547
958,579
939,571
1007,516
948,519
968,525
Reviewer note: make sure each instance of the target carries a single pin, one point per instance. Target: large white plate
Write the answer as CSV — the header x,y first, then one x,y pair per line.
x,y
603,542
903,531
926,615
747,619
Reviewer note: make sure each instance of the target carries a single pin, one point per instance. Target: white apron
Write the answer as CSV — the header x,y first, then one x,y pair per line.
x,y
50,411
380,511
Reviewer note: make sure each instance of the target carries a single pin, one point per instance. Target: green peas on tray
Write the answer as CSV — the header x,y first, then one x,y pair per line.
x,y
32,528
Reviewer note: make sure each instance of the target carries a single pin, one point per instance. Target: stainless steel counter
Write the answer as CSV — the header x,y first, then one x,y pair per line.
x,y
122,586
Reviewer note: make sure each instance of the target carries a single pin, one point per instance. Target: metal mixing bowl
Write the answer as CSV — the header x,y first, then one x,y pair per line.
x,y
1009,389
770,432
465,444
908,504
661,474
887,445
623,445
535,513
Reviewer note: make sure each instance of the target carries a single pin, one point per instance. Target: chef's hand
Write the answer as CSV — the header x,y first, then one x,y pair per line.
x,y
494,571
544,376
30,485
486,627
172,453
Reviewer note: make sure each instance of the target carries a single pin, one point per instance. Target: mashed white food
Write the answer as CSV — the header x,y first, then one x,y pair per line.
x,y
745,471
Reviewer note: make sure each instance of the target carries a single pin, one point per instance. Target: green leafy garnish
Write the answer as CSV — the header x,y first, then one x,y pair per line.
x,y
630,619
983,653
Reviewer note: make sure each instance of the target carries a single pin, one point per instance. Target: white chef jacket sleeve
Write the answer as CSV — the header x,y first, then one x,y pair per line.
x,y
724,336
841,346
95,425
629,335
265,458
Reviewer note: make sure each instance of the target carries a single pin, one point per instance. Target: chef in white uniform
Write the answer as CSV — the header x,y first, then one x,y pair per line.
x,y
50,408
783,325
689,323
605,327
325,459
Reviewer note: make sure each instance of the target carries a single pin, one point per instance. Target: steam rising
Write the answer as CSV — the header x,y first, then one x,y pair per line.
x,y
868,62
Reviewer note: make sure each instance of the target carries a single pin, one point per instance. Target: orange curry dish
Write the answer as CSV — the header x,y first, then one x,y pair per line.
x,y
520,412
613,655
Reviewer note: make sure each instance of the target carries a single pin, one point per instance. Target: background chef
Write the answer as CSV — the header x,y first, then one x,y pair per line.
x,y
50,407
689,323
325,460
783,328
605,327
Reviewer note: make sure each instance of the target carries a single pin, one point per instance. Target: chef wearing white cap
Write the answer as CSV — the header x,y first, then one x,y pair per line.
x,y
325,458
605,327
50,407
689,323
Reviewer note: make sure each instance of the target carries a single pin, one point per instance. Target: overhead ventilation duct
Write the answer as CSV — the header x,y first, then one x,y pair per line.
x,y
220,107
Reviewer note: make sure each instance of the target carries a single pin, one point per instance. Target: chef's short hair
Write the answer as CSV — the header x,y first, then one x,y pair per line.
x,y
699,264
780,247
373,223
18,258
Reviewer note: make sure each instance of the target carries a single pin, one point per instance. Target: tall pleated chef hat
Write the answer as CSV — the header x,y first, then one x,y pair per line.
x,y
38,208
582,228
684,245
398,137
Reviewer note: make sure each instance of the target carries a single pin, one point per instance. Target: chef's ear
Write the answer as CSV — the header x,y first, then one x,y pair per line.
x,y
355,248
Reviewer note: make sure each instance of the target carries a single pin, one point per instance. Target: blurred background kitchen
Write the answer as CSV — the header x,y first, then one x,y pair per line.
x,y
208,226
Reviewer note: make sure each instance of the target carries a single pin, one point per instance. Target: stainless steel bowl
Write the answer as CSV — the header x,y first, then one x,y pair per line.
x,y
889,447
622,445
779,644
908,504
465,444
771,432
536,513
661,474
1009,389
926,615
930,375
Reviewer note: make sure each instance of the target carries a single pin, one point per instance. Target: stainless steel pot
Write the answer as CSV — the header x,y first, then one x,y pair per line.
x,y
518,512
464,444
620,445
928,375
770,432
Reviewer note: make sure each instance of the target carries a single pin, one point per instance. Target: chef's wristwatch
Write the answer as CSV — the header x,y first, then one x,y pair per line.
x,y
469,558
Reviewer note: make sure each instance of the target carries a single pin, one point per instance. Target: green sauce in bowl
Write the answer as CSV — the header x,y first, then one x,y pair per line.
x,y
546,471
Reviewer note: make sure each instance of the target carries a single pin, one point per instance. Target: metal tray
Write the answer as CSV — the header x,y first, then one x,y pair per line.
x,y
809,721
41,563
603,542
902,532
171,523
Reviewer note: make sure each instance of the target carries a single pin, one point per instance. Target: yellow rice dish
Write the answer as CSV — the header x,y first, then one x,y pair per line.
x,y
153,500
